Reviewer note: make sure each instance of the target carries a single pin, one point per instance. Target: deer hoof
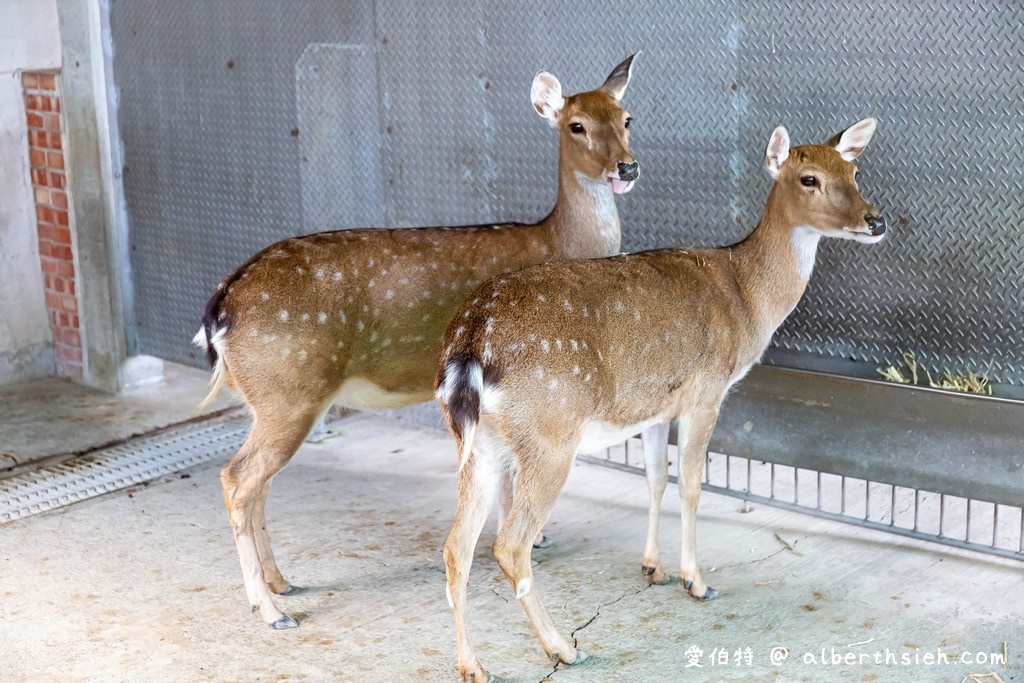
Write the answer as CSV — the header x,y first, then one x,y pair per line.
x,y
709,594
544,542
282,622
478,677
654,575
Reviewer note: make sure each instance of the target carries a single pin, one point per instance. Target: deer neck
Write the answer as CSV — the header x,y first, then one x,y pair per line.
x,y
774,264
584,222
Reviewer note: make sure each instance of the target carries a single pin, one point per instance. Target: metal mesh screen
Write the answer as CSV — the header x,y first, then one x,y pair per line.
x,y
216,155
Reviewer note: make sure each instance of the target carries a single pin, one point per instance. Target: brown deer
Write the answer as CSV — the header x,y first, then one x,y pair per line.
x,y
558,359
355,317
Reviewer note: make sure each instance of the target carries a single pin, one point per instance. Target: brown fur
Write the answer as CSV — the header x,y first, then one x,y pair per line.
x,y
357,316
640,339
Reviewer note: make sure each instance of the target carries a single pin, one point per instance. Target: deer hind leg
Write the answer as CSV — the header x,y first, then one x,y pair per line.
x,y
245,480
271,574
505,503
694,436
539,480
479,480
655,439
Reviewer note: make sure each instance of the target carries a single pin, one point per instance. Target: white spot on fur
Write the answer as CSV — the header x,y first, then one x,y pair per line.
x,y
283,315
320,273
265,296
305,317
538,372
303,355
337,276
389,295
322,317
360,325
544,345
541,298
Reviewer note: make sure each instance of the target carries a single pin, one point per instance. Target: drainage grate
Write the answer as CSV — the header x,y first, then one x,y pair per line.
x,y
970,523
117,467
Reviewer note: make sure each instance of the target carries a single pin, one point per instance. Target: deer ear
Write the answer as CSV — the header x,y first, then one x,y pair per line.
x,y
546,94
618,79
852,141
777,152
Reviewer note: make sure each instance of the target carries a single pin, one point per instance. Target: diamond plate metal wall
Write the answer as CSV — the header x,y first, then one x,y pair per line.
x,y
214,172
208,117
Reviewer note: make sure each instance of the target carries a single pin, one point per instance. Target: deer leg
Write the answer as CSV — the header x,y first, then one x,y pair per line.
x,y
655,439
479,481
271,574
505,502
694,436
534,494
245,480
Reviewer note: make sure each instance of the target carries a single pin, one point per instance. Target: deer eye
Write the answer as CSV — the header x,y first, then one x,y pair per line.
x,y
629,120
808,181
577,128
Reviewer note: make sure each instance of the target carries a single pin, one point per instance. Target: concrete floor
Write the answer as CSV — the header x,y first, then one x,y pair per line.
x,y
46,418
144,584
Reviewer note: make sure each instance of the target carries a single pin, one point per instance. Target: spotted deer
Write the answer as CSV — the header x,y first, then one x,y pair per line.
x,y
558,359
355,317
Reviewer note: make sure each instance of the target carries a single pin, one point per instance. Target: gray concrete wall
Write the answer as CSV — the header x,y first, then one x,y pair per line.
x,y
29,41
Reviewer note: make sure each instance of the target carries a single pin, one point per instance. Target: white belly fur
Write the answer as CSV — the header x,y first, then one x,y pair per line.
x,y
598,435
362,394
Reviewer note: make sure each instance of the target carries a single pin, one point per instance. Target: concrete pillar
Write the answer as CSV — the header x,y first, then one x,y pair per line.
x,y
93,167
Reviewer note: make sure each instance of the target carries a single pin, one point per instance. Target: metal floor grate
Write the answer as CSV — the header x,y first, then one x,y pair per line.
x,y
950,520
117,467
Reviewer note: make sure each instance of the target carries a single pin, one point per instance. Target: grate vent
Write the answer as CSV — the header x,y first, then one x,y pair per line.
x,y
118,467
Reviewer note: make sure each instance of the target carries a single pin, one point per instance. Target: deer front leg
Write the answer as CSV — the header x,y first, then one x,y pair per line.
x,y
655,440
694,436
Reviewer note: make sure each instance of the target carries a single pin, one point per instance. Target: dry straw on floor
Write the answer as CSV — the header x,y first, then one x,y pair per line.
x,y
970,382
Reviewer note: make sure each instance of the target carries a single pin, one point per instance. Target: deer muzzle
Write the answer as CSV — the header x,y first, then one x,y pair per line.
x,y
876,224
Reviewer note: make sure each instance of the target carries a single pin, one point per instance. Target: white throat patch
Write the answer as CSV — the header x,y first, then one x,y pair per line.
x,y
604,202
805,249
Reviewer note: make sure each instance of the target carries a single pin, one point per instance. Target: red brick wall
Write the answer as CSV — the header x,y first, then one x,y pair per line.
x,y
46,158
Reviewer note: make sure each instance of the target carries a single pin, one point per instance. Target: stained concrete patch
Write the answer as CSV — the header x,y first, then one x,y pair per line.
x,y
145,584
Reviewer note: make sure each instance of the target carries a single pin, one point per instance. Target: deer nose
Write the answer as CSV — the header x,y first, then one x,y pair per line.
x,y
629,171
876,222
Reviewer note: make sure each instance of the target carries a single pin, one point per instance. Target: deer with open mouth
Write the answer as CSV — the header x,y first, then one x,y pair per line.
x,y
356,317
